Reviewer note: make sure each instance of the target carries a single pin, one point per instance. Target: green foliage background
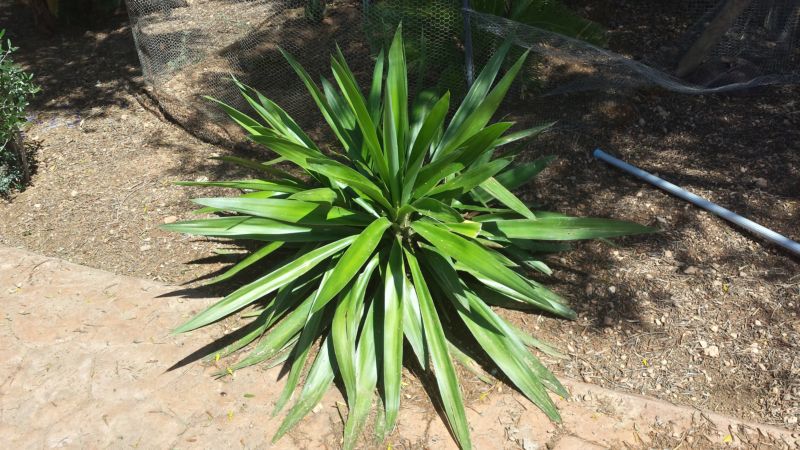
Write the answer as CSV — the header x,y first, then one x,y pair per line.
x,y
16,90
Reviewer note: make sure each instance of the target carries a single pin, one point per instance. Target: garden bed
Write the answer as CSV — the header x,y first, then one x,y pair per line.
x,y
701,314
194,51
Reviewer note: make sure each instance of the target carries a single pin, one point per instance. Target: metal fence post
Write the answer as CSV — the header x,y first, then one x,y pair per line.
x,y
468,57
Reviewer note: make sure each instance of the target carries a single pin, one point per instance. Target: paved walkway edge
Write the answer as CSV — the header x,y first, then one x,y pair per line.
x,y
83,364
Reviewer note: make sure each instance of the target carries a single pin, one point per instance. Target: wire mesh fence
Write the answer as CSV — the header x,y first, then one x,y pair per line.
x,y
191,48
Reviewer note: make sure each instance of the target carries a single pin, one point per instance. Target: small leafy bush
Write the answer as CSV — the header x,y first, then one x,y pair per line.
x,y
408,232
16,90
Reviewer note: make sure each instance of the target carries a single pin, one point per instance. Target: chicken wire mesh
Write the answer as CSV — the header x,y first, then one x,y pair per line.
x,y
756,50
191,48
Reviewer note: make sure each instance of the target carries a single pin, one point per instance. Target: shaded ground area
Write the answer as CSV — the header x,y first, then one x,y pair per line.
x,y
99,375
701,315
105,162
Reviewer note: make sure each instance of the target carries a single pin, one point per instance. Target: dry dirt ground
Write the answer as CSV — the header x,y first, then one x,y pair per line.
x,y
702,314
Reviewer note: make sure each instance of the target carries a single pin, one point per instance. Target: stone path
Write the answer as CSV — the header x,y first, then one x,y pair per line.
x,y
84,359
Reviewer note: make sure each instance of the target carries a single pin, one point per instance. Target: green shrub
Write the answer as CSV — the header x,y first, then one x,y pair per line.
x,y
408,229
16,90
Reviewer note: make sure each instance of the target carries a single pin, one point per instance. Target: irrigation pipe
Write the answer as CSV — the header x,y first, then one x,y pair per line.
x,y
713,208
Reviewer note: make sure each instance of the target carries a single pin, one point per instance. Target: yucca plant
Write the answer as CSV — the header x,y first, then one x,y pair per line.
x,y
409,233
315,10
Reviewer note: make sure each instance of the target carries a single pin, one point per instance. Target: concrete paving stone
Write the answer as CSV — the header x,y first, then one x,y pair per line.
x,y
84,359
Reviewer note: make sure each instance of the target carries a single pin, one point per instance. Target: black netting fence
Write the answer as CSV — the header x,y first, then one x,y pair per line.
x,y
191,48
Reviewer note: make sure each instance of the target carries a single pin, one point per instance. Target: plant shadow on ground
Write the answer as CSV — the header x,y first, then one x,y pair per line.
x,y
190,167
702,272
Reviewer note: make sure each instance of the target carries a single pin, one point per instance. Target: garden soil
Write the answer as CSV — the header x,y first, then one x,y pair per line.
x,y
702,314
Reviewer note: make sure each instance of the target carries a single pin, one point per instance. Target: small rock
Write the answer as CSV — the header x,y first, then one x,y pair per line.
x,y
703,344
761,182
73,194
612,289
528,444
667,254
691,270
712,351
145,248
170,219
714,328
791,420
37,206
316,409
